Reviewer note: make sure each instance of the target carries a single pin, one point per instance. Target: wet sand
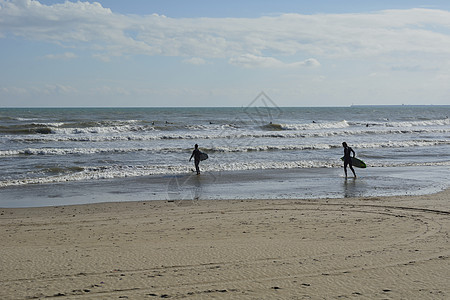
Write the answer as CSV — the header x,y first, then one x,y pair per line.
x,y
314,183
369,247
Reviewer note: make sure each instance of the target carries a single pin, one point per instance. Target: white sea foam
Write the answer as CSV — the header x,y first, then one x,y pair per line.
x,y
403,144
408,164
109,134
315,126
387,144
221,148
107,128
25,119
51,124
405,124
117,171
425,123
104,129
69,151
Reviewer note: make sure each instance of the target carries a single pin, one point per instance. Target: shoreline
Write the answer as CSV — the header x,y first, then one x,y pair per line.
x,y
373,247
314,183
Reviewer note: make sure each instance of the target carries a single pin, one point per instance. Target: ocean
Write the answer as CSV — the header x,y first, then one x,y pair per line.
x,y
59,156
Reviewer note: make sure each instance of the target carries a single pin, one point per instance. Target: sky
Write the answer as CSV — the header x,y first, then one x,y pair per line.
x,y
165,53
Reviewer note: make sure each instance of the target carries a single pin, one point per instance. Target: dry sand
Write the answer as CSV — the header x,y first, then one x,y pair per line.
x,y
367,248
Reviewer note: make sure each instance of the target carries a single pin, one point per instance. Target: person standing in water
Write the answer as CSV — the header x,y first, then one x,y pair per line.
x,y
196,155
348,158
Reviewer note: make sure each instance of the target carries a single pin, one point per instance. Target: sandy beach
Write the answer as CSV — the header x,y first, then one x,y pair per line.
x,y
369,248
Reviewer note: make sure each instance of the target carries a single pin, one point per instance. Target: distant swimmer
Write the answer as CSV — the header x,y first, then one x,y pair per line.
x,y
348,158
196,155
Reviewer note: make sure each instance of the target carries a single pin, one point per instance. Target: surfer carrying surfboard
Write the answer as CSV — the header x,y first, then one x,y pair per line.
x,y
348,158
196,155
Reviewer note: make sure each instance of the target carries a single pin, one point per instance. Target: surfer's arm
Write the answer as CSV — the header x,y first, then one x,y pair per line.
x,y
353,151
191,156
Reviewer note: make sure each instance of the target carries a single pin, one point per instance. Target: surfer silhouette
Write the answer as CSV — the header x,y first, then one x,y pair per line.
x,y
348,158
196,155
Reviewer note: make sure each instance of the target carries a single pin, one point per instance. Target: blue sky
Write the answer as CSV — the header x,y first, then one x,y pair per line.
x,y
223,53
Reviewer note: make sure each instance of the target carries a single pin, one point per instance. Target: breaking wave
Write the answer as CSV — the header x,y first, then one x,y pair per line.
x,y
249,148
111,172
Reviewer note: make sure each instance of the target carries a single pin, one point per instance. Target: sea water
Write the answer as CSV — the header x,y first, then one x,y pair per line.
x,y
54,156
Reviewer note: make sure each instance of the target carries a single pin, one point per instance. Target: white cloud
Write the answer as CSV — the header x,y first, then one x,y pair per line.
x,y
249,60
195,61
64,56
57,89
310,62
13,91
44,90
253,61
242,41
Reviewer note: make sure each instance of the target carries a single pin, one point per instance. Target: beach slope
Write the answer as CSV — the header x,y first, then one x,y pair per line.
x,y
377,248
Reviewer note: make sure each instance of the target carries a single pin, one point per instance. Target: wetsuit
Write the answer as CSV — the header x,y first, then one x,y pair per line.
x,y
196,154
348,160
347,156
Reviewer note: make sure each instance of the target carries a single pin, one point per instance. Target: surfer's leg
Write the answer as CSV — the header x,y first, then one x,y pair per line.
x,y
345,169
353,170
197,168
